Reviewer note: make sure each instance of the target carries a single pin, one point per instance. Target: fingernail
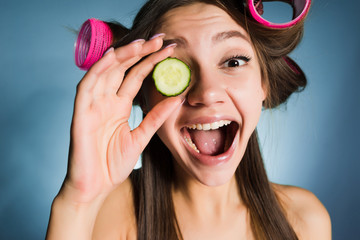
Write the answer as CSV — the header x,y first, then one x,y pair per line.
x,y
157,35
173,45
139,40
109,50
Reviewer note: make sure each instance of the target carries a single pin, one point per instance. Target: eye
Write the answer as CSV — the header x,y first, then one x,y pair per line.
x,y
236,61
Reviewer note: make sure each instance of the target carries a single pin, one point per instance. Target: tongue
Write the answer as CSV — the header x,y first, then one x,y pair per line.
x,y
209,142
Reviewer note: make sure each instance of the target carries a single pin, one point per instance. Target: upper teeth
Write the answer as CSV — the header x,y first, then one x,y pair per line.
x,y
209,126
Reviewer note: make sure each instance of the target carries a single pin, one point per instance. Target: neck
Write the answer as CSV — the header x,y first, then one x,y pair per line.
x,y
204,201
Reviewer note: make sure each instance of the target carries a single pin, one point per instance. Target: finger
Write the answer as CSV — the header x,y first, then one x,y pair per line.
x,y
90,78
134,79
107,74
153,121
126,57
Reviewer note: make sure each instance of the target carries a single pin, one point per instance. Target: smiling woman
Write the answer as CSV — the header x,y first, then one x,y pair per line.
x,y
202,174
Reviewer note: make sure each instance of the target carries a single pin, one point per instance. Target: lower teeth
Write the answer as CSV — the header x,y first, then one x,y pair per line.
x,y
191,144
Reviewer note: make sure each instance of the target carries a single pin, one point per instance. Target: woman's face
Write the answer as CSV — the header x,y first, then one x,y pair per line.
x,y
225,88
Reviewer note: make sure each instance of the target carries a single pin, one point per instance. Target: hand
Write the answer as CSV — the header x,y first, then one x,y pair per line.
x,y
103,149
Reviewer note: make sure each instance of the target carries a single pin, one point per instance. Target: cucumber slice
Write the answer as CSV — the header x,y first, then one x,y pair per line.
x,y
171,77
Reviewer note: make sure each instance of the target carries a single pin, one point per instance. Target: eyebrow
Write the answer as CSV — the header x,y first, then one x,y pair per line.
x,y
228,34
181,42
219,37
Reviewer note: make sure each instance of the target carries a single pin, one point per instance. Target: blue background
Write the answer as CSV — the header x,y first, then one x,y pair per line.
x,y
312,143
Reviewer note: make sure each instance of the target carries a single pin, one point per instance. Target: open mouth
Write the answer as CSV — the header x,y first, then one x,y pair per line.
x,y
211,139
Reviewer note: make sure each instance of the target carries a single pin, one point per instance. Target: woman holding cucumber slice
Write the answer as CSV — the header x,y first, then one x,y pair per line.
x,y
202,174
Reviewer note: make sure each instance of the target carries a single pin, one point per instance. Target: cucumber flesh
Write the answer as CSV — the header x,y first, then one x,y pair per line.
x,y
171,77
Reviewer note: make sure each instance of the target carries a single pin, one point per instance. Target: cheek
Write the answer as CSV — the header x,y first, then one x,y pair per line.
x,y
248,96
251,105
253,96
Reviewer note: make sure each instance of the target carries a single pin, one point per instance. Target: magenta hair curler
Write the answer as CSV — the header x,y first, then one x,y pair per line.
x,y
300,9
94,38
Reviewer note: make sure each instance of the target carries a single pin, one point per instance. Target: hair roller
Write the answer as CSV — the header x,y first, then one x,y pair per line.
x,y
94,38
300,9
294,67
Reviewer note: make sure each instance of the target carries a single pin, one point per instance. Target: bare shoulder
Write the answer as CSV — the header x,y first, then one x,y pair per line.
x,y
116,218
305,212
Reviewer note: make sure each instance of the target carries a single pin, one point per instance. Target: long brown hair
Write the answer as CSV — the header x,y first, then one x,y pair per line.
x,y
152,183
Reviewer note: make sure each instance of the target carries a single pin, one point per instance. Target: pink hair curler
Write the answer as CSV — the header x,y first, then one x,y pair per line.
x,y
94,38
300,8
296,69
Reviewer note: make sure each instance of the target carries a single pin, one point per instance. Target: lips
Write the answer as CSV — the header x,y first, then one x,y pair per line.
x,y
211,143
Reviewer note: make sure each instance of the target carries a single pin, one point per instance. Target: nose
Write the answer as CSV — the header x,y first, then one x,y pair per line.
x,y
206,90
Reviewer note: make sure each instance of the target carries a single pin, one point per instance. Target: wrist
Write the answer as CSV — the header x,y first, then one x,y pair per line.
x,y
72,219
79,197
64,202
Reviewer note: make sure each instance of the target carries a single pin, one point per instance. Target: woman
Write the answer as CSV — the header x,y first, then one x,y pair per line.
x,y
194,183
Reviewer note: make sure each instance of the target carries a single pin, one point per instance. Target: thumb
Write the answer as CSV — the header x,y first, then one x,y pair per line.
x,y
153,121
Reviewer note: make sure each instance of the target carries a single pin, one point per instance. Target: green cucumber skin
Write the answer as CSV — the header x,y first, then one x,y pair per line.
x,y
178,92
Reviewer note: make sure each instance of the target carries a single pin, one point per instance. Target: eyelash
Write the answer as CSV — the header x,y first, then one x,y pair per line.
x,y
244,58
